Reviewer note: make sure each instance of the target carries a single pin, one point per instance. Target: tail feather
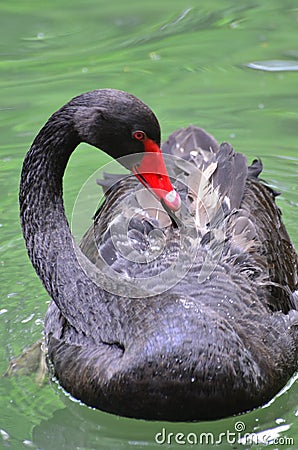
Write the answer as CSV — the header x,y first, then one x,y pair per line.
x,y
215,175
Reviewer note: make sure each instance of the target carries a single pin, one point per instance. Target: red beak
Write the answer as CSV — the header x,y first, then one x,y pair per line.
x,y
152,173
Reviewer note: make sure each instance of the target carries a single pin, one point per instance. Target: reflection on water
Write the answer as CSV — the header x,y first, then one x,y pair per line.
x,y
191,64
65,423
94,429
274,66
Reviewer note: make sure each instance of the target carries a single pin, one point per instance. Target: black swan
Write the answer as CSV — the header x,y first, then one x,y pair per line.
x,y
181,301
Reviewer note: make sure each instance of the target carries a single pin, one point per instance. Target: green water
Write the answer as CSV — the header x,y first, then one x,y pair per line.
x,y
187,60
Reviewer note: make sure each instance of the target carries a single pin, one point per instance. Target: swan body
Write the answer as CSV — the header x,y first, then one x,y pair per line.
x,y
181,302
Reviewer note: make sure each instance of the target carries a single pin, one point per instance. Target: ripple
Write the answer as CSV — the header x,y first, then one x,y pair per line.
x,y
274,65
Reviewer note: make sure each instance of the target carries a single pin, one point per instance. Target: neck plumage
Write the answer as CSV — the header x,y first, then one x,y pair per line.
x,y
44,224
73,282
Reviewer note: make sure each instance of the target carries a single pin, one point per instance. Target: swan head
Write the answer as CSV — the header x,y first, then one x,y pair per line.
x,y
124,127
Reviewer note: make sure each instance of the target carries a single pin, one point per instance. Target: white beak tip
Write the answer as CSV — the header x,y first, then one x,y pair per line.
x,y
172,200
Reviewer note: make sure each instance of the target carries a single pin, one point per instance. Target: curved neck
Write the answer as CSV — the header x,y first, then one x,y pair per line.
x,y
54,254
44,224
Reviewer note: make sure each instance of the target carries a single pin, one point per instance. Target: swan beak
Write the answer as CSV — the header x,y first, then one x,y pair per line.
x,y
152,173
172,200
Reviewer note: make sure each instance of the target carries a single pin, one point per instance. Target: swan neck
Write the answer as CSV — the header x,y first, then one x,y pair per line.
x,y
43,220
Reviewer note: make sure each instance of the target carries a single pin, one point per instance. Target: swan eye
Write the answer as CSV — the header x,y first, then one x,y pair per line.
x,y
139,135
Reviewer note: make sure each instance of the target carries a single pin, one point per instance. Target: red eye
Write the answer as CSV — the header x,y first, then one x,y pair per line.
x,y
139,135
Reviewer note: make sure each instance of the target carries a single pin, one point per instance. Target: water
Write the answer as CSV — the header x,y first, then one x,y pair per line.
x,y
188,60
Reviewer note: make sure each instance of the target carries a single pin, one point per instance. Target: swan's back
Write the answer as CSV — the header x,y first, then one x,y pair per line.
x,y
236,213
255,231
214,330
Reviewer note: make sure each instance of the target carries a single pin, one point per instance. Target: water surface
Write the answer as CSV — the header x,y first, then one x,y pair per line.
x,y
230,67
